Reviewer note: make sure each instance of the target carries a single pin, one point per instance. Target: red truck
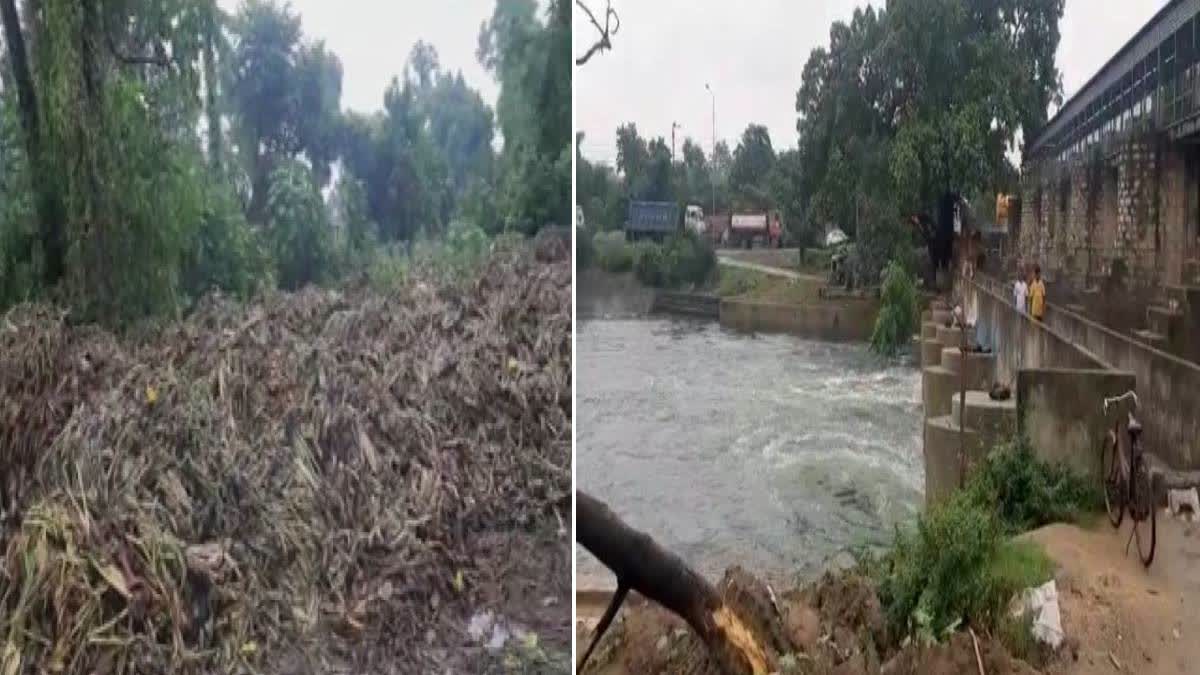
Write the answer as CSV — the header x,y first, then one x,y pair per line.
x,y
744,229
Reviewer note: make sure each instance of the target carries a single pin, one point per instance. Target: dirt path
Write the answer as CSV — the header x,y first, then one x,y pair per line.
x,y
726,259
1122,617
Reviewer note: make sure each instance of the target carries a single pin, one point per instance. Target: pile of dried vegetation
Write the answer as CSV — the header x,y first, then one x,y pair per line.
x,y
297,484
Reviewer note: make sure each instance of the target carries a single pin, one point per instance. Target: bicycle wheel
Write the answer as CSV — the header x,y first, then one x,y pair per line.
x,y
1110,473
1146,533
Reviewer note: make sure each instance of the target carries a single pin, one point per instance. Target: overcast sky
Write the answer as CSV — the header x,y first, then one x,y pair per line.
x,y
373,39
753,54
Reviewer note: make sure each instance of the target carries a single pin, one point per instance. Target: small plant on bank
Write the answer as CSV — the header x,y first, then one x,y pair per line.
x,y
960,564
897,320
613,253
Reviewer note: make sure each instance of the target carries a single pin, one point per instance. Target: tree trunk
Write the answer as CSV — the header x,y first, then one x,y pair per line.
x,y
49,210
642,565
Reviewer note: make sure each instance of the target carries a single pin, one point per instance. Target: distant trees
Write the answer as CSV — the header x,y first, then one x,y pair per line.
x,y
151,150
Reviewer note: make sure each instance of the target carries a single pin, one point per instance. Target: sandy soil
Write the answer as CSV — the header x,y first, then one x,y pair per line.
x,y
1119,616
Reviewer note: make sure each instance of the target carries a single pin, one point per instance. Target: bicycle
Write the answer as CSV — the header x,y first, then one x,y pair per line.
x,y
1120,492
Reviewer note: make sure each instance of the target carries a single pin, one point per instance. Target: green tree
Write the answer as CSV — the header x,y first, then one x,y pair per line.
x,y
753,160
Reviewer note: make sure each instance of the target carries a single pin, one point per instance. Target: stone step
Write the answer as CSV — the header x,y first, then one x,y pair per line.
x,y
928,330
931,353
980,367
1156,340
915,349
942,316
943,449
939,303
937,386
1164,320
952,337
995,421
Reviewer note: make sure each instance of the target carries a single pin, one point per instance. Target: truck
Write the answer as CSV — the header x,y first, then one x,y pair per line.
x,y
746,228
651,220
693,219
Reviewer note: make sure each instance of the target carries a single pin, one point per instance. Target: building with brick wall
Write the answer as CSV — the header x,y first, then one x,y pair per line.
x,y
1111,185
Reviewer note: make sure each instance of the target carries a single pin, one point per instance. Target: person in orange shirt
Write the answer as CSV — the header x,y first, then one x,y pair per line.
x,y
1037,295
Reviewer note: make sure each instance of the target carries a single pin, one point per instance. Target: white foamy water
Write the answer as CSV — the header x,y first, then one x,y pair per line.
x,y
767,451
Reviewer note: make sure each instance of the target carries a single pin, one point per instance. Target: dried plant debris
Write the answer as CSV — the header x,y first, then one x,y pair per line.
x,y
299,484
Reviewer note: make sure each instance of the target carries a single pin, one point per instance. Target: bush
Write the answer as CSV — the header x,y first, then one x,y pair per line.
x,y
957,566
689,260
733,281
1029,493
650,264
300,236
897,320
613,253
959,563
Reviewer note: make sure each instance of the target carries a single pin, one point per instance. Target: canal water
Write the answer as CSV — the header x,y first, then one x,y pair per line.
x,y
773,452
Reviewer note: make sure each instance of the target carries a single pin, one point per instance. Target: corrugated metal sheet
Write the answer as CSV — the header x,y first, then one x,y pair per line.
x,y
1168,20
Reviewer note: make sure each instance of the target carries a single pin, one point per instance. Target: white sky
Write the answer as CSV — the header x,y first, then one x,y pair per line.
x,y
373,39
753,54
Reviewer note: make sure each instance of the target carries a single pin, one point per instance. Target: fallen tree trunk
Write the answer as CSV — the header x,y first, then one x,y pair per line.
x,y
642,565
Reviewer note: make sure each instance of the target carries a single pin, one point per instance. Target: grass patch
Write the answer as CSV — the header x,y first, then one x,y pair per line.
x,y
733,281
761,287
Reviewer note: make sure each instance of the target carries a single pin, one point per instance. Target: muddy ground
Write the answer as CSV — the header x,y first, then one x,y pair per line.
x,y
1117,617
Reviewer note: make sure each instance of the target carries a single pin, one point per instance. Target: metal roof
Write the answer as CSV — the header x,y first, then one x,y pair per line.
x,y
1161,26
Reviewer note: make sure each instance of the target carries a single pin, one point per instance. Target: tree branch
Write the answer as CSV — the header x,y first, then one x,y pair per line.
x,y
642,565
606,32
158,59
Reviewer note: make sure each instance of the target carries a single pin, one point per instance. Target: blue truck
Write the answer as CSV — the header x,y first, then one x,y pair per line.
x,y
652,220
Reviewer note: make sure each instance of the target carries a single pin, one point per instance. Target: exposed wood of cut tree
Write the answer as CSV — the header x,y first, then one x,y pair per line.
x,y
642,565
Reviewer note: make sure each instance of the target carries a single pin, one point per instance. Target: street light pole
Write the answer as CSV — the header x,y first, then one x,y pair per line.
x,y
712,179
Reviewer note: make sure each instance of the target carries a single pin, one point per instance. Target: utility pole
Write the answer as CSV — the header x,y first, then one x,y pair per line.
x,y
712,168
674,126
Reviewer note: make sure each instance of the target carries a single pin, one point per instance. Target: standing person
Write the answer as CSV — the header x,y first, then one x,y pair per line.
x,y
1020,291
1037,295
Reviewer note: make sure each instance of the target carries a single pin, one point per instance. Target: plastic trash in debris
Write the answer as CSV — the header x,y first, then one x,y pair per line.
x,y
1184,504
1042,604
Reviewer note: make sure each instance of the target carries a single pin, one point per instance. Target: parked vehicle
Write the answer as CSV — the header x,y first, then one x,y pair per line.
x,y
651,220
747,228
717,229
693,219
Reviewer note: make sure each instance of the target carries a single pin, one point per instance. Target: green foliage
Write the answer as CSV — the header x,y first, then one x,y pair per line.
x,y
300,237
1029,493
898,311
683,259
753,161
531,59
650,263
227,253
955,567
959,564
613,253
890,120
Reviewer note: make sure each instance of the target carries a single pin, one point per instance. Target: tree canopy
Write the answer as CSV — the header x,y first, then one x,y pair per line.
x,y
151,150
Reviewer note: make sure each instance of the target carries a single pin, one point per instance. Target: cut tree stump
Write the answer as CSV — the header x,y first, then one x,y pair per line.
x,y
642,565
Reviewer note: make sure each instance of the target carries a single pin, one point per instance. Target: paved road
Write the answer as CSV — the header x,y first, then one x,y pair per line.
x,y
767,269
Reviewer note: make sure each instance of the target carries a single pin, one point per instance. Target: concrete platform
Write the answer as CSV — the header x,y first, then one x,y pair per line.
x,y
928,330
937,386
995,421
980,368
951,337
942,458
1156,340
1164,321
931,353
941,316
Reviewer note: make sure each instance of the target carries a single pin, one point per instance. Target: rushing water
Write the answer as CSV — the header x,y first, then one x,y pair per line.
x,y
767,451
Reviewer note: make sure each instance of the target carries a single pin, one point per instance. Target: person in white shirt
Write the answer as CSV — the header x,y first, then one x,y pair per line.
x,y
1020,292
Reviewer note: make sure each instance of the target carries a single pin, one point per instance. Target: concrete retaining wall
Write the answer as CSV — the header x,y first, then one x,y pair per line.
x,y
700,305
843,320
1060,411
1020,342
1168,387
